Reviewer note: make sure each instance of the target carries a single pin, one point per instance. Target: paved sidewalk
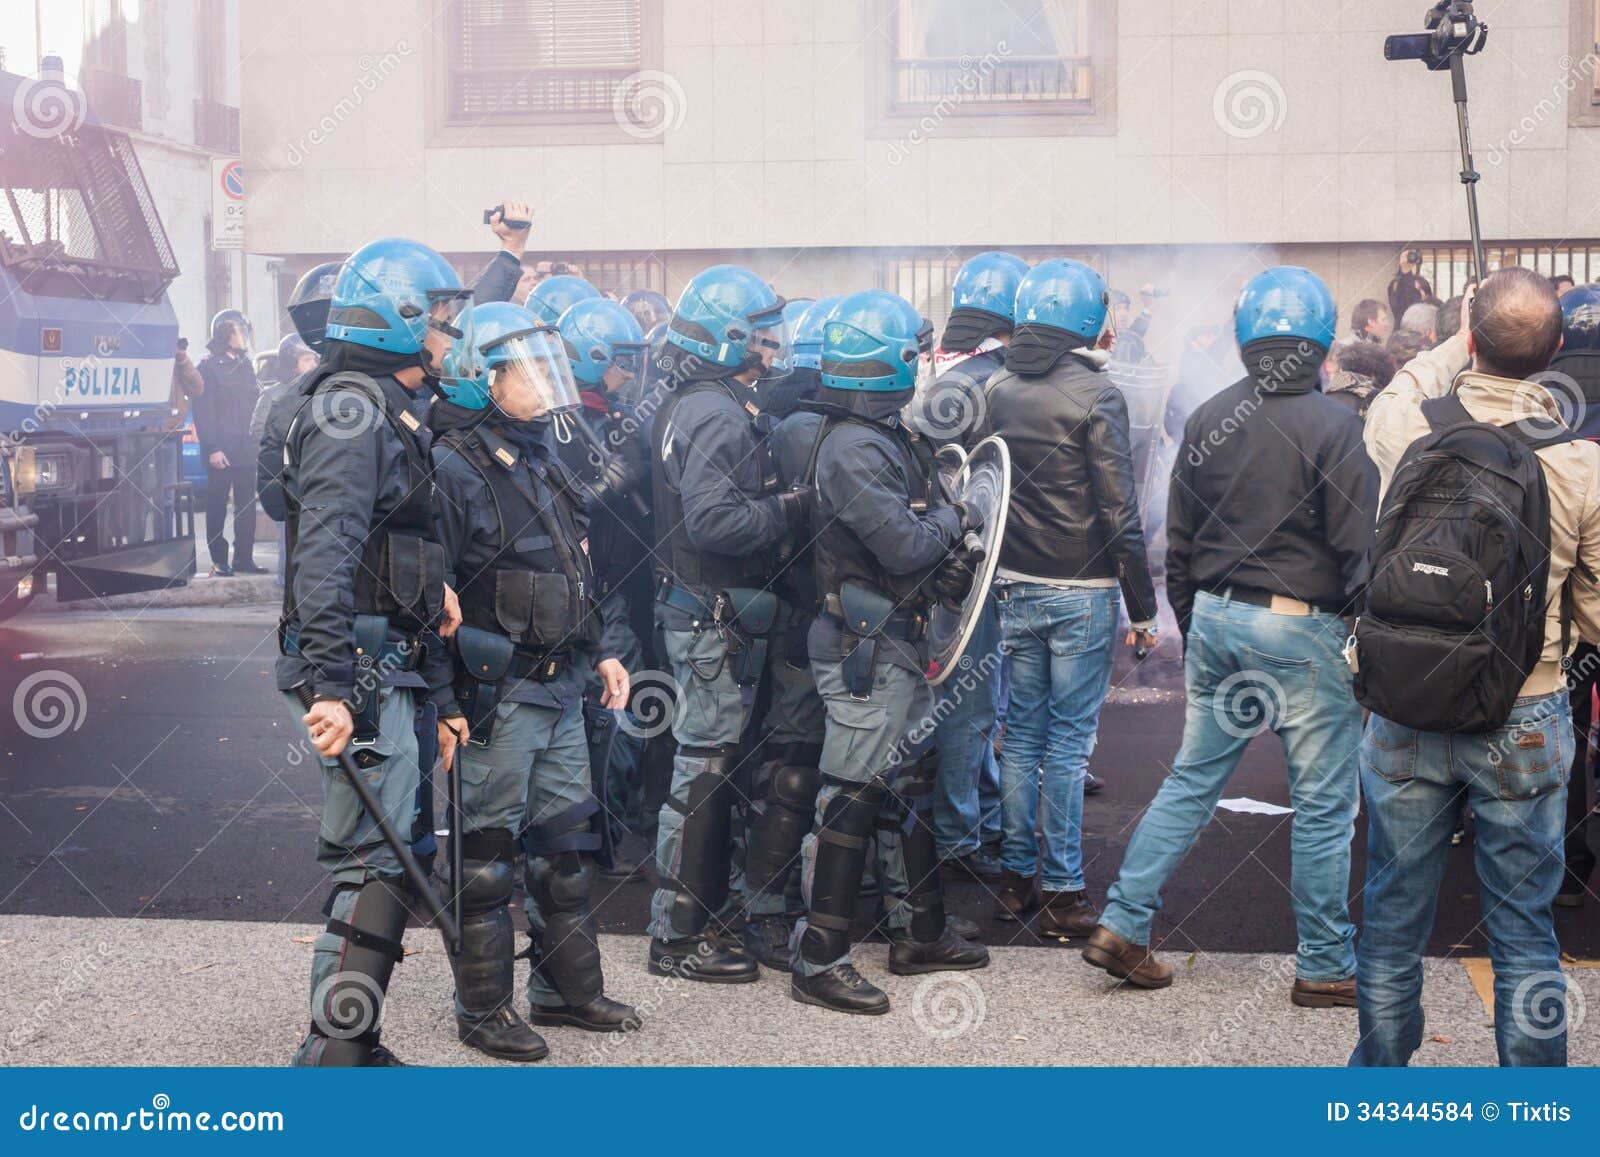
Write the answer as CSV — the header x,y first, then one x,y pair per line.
x,y
175,992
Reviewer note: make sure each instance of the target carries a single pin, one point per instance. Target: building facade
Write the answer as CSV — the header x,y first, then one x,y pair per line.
x,y
839,144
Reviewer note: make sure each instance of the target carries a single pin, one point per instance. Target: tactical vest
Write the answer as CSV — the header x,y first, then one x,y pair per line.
x,y
842,557
540,591
400,571
677,558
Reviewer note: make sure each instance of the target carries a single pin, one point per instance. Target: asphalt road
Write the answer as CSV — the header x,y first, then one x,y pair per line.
x,y
178,788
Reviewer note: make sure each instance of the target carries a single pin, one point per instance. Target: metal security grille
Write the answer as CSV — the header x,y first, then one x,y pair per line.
x,y
613,274
1001,57
1449,268
522,58
76,216
924,280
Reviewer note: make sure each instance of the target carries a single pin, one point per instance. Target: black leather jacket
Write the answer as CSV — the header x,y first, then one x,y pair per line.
x,y
1074,510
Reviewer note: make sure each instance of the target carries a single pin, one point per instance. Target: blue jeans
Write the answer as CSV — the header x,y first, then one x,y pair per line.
x,y
1514,779
1058,643
1248,670
964,812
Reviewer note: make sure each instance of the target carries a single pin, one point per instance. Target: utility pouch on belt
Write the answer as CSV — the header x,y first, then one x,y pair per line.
x,y
403,579
865,613
485,662
371,633
752,613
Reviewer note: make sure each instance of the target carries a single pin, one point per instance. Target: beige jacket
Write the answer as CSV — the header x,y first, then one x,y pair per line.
x,y
1572,473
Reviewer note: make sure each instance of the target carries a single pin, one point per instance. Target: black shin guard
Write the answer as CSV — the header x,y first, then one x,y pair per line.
x,y
842,843
925,889
704,857
791,805
347,1006
560,876
485,968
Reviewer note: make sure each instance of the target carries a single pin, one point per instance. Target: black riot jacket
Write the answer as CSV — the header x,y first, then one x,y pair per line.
x,y
1074,511
1583,367
513,520
716,510
1272,489
360,535
881,520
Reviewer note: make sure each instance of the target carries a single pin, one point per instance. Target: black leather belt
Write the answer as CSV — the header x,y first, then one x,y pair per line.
x,y
907,626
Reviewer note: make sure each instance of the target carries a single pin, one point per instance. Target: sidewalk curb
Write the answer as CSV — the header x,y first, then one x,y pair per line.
x,y
200,591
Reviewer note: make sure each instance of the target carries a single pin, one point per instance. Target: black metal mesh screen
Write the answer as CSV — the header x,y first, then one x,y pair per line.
x,y
76,217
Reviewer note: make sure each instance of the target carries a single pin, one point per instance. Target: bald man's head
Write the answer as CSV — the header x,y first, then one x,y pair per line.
x,y
1516,323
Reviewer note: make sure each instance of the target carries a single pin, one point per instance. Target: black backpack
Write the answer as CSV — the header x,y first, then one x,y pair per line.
x,y
1453,619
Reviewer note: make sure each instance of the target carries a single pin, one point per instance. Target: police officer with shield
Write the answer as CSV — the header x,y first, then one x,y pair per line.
x,y
365,583
720,519
513,523
887,544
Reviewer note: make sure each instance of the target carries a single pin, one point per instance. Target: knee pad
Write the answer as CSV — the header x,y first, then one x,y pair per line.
x,y
567,952
562,885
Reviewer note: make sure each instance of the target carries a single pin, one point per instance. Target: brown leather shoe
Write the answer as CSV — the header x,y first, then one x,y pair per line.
x,y
1067,914
1018,896
1324,993
1126,960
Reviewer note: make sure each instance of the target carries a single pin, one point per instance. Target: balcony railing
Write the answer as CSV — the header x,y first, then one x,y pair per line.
x,y
216,126
114,98
992,82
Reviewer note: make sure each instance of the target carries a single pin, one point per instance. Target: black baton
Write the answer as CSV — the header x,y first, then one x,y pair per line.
x,y
419,882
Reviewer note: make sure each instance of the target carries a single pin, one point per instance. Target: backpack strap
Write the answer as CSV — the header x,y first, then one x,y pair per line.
x,y
1445,411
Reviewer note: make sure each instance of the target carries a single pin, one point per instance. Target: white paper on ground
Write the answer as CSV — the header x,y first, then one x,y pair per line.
x,y
1254,807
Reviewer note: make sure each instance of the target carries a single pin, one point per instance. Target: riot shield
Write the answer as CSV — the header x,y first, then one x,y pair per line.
x,y
983,484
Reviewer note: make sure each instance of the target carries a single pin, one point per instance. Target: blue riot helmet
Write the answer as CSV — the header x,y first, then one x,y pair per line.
x,y
599,334
511,361
553,296
392,294
1580,318
874,342
719,313
648,307
1285,301
807,338
290,350
1061,306
983,299
308,303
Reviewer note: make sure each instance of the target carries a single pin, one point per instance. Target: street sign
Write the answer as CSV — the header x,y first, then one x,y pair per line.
x,y
227,203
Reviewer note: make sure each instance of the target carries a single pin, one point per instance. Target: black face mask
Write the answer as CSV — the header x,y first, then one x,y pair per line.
x,y
528,436
967,329
1035,349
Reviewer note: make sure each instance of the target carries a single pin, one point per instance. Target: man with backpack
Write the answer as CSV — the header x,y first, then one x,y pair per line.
x,y
1481,578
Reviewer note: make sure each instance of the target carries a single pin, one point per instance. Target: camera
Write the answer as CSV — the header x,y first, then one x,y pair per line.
x,y
1453,29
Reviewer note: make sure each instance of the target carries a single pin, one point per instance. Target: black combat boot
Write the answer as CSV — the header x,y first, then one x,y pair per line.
x,y
351,967
930,946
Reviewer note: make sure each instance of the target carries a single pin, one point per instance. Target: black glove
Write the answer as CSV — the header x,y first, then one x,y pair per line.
x,y
971,518
616,478
795,504
955,575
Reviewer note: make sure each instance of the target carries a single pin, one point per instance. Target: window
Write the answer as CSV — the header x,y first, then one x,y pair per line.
x,y
1007,56
924,280
1582,80
1448,268
1023,67
540,59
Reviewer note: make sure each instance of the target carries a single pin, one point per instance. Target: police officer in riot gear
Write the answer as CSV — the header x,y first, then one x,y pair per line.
x,y
720,524
600,443
972,348
513,523
886,545
648,308
365,583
